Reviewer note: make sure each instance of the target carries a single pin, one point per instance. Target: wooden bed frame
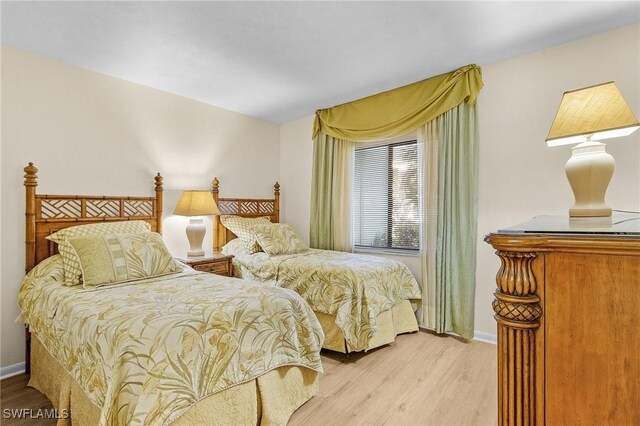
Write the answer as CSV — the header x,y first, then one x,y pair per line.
x,y
245,207
46,214
289,386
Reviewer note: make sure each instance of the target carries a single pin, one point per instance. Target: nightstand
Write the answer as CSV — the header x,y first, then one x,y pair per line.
x,y
216,263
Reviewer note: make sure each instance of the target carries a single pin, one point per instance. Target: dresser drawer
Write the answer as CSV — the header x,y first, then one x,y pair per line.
x,y
220,268
216,263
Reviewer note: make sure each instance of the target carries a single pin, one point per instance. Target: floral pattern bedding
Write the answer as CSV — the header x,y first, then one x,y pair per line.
x,y
355,288
146,351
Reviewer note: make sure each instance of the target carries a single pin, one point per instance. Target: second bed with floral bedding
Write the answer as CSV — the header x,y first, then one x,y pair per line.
x,y
361,301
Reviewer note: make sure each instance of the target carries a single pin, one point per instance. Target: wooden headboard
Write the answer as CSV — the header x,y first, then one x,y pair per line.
x,y
46,214
245,207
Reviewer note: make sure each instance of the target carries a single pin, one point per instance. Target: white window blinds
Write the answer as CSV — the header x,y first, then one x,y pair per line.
x,y
385,195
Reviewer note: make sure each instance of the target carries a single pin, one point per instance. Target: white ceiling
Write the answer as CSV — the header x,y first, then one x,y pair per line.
x,y
283,60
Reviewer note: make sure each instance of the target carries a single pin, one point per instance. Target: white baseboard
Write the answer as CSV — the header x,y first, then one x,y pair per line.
x,y
480,336
11,370
485,337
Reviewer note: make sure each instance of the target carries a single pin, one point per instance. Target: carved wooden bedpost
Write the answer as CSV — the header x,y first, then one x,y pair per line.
x,y
215,191
215,188
159,201
276,203
30,183
518,313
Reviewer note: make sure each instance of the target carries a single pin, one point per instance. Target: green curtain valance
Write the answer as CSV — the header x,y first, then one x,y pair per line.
x,y
402,110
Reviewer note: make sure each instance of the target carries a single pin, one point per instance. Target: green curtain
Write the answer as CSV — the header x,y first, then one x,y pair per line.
x,y
321,232
450,100
331,194
457,220
402,110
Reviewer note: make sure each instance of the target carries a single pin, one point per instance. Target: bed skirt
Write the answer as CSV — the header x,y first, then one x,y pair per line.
x,y
268,400
397,320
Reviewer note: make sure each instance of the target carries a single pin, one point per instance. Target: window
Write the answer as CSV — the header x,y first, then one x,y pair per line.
x,y
386,203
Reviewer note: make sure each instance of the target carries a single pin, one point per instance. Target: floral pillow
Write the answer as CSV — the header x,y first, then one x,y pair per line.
x,y
242,227
72,272
279,238
118,258
235,247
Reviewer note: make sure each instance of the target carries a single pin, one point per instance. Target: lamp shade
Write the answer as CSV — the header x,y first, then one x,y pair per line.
x,y
196,203
594,112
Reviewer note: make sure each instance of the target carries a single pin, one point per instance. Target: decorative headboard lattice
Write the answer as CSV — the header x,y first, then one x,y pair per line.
x,y
47,213
245,207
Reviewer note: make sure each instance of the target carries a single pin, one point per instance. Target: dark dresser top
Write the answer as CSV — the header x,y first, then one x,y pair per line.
x,y
620,223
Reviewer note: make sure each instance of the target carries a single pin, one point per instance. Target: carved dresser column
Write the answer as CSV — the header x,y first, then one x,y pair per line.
x,y
517,311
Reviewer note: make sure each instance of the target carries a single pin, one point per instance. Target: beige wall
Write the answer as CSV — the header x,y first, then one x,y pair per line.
x,y
92,134
520,177
296,151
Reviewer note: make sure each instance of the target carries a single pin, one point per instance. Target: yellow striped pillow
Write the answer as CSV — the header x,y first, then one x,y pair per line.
x,y
118,258
70,261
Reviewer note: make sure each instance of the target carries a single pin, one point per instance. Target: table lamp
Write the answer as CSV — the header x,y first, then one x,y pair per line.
x,y
196,203
586,116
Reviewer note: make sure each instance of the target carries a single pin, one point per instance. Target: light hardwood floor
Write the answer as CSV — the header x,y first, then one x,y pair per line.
x,y
421,379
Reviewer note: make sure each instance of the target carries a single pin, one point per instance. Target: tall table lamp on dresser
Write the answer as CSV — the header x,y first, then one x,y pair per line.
x,y
585,117
196,204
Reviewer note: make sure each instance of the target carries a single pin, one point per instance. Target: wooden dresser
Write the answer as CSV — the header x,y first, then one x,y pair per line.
x,y
568,312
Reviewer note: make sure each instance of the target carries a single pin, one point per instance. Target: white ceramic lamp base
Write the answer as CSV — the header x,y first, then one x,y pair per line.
x,y
195,234
589,171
